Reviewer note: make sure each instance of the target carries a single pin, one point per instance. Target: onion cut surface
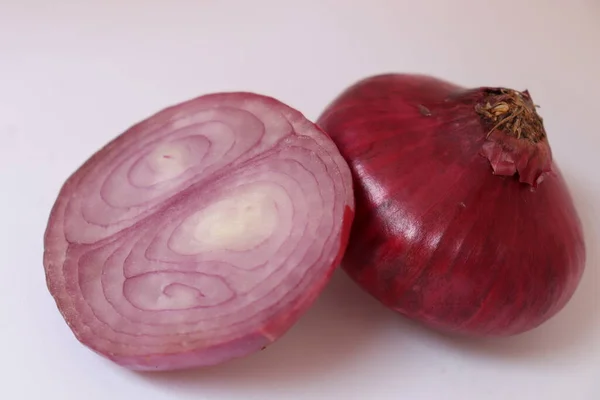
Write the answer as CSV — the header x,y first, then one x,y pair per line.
x,y
463,220
200,234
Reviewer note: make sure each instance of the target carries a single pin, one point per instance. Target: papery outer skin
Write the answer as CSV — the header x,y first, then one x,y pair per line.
x,y
437,235
157,345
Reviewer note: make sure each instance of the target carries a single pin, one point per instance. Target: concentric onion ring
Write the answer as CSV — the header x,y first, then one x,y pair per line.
x,y
200,234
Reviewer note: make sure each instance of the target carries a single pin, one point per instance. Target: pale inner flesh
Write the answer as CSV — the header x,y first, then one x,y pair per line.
x,y
237,223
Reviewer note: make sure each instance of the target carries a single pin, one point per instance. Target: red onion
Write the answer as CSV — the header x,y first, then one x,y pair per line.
x,y
463,221
200,234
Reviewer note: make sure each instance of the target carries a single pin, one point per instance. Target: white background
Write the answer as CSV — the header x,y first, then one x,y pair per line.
x,y
73,74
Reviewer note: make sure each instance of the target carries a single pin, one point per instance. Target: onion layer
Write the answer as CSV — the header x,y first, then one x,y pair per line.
x,y
200,234
463,221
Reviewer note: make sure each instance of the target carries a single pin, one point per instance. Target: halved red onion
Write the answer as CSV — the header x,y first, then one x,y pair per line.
x,y
200,234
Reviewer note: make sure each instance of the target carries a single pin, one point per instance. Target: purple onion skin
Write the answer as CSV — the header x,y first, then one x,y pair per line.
x,y
462,227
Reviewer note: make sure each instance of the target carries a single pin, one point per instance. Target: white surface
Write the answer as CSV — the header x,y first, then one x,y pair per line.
x,y
73,76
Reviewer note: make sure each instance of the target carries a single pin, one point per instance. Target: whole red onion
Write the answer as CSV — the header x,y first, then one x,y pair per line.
x,y
463,221
200,234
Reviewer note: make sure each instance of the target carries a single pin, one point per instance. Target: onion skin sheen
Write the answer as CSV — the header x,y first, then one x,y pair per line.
x,y
463,221
200,234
